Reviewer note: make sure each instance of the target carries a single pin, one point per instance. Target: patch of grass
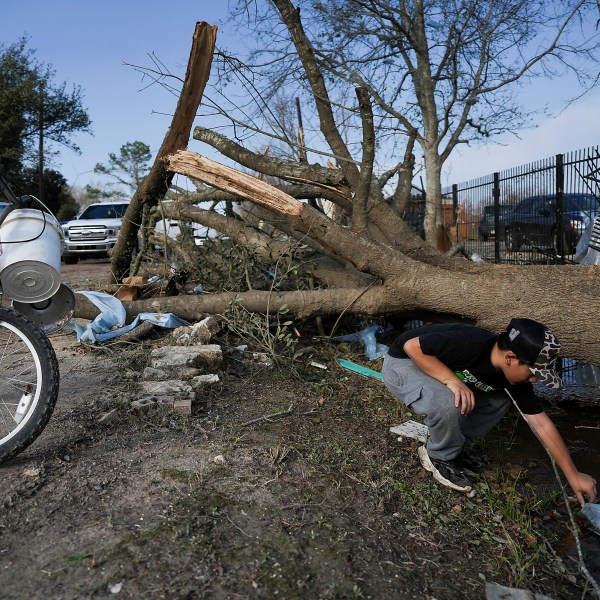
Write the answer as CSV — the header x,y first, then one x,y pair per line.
x,y
189,523
518,560
327,453
515,501
74,558
178,475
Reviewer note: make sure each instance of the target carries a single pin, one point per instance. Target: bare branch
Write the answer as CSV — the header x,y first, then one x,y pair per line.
x,y
291,17
359,209
268,165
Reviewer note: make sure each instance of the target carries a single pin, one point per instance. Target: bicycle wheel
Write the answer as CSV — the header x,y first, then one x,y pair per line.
x,y
29,380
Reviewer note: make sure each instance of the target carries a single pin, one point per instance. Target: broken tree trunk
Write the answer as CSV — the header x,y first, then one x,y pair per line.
x,y
560,296
156,183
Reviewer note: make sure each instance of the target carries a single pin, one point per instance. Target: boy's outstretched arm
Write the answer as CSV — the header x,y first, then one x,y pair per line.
x,y
582,484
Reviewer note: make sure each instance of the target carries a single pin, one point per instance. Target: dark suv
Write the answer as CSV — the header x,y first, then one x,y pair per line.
x,y
533,222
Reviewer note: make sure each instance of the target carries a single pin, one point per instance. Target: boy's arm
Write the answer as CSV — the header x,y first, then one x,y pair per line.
x,y
581,484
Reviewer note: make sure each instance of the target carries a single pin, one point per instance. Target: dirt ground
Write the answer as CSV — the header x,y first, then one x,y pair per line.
x,y
323,502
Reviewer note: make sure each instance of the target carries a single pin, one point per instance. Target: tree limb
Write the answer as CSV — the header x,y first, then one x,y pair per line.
x,y
357,250
363,188
156,183
268,165
291,18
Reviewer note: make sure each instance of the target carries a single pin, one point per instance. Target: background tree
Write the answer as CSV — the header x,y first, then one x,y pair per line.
x,y
17,84
126,170
35,111
438,74
58,194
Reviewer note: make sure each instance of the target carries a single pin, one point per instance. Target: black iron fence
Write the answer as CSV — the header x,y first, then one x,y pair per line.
x,y
534,213
531,214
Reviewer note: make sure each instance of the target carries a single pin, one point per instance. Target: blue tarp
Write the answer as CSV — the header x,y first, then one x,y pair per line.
x,y
373,350
110,323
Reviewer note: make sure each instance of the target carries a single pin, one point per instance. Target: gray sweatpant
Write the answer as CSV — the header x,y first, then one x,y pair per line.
x,y
449,431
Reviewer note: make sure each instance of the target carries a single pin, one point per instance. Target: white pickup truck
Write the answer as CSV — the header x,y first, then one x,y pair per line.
x,y
94,232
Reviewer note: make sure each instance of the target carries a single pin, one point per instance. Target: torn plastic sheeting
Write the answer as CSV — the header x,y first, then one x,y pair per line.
x,y
373,350
364,371
592,513
110,323
272,275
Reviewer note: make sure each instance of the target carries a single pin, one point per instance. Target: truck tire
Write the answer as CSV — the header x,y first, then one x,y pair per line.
x,y
512,243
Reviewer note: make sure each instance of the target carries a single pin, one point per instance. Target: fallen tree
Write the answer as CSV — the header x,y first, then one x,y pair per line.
x,y
564,297
369,261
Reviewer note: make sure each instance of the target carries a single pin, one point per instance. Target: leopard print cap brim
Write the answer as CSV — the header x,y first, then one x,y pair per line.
x,y
543,368
548,377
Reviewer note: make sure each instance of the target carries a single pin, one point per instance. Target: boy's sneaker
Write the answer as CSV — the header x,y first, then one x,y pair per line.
x,y
448,473
471,464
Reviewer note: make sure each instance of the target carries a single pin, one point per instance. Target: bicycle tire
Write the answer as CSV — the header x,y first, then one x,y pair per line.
x,y
29,382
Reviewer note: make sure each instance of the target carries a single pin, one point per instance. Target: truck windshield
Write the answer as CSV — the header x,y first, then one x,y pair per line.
x,y
104,211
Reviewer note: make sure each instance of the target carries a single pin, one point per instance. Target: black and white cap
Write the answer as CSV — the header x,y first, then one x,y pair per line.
x,y
537,347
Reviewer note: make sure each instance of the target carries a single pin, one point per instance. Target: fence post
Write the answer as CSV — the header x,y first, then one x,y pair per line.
x,y
455,211
496,197
560,224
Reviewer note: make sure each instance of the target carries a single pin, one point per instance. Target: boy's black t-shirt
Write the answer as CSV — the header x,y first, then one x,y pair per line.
x,y
467,351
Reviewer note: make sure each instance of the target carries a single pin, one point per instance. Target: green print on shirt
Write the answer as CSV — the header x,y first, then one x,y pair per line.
x,y
472,380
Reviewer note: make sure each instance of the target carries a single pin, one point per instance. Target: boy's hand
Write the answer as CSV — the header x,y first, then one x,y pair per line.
x,y
463,396
583,485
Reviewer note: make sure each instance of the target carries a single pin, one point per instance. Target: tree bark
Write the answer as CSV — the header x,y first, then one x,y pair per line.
x,y
314,174
562,297
155,185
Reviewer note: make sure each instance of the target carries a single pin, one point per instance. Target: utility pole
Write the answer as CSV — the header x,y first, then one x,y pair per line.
x,y
41,147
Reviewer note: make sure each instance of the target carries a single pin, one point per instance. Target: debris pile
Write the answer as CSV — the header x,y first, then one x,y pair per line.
x,y
198,333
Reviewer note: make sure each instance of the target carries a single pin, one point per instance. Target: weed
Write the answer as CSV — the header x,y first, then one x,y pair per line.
x,y
519,563
517,503
77,557
279,454
177,474
264,332
327,453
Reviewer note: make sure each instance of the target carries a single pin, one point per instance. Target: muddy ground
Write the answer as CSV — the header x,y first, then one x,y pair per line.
x,y
324,502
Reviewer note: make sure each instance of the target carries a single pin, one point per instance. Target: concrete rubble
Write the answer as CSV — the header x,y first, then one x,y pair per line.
x,y
180,374
198,333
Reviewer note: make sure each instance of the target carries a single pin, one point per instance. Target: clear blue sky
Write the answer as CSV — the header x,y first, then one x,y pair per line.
x,y
576,127
88,42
